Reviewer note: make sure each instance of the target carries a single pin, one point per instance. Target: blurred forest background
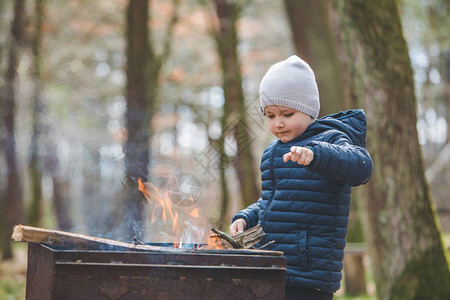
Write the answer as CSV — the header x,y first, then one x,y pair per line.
x,y
96,95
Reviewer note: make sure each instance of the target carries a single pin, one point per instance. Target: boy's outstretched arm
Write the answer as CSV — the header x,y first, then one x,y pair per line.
x,y
341,161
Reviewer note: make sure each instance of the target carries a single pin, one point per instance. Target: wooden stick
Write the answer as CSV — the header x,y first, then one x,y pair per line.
x,y
76,241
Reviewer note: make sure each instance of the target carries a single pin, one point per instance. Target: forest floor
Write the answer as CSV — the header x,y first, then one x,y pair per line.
x,y
13,274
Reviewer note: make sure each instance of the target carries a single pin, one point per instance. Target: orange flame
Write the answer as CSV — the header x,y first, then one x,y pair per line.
x,y
151,192
194,213
161,202
173,214
164,210
214,243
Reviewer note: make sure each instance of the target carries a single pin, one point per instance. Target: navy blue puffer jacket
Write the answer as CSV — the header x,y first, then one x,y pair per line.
x,y
305,209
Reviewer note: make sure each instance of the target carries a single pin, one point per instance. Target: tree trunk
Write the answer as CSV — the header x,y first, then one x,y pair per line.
x,y
12,205
137,120
143,68
2,46
405,244
94,207
446,93
61,188
35,210
234,110
316,44
225,197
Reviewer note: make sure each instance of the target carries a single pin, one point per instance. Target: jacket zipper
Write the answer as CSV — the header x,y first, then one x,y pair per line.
x,y
274,184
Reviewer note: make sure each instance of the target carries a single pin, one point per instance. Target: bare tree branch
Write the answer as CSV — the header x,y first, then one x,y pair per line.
x,y
169,33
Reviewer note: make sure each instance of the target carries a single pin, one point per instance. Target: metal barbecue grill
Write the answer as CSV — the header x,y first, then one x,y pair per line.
x,y
63,273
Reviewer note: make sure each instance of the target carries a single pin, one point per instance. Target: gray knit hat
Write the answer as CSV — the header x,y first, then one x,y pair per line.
x,y
290,83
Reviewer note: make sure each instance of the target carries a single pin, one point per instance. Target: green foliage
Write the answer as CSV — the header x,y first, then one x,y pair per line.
x,y
11,289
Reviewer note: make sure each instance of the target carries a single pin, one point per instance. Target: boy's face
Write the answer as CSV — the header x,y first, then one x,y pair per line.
x,y
286,123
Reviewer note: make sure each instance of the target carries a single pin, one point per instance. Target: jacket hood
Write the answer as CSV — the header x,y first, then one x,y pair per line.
x,y
351,122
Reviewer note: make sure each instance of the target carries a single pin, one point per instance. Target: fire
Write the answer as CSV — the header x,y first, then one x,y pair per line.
x,y
173,214
151,192
164,211
162,200
214,243
194,213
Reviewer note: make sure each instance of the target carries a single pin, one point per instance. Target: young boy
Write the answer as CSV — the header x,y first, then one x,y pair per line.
x,y
307,174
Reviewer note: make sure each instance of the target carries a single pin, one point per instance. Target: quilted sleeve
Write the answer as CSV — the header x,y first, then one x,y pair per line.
x,y
340,160
249,214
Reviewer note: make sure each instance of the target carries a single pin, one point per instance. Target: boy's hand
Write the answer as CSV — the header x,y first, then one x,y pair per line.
x,y
301,155
238,226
